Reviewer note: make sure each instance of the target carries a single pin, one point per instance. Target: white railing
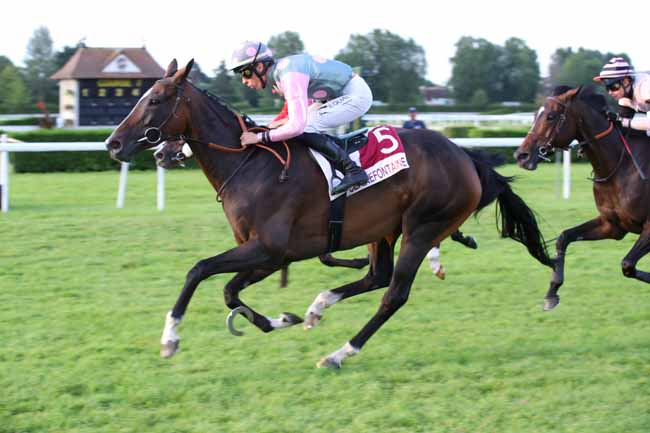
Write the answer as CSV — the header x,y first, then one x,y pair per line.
x,y
7,146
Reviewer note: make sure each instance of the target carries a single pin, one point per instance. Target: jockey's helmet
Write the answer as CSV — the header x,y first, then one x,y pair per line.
x,y
248,53
615,70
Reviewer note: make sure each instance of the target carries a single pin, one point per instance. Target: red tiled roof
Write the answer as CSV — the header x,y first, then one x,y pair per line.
x,y
89,63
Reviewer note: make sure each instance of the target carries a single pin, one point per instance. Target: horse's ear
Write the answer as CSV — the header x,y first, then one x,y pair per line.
x,y
171,69
183,73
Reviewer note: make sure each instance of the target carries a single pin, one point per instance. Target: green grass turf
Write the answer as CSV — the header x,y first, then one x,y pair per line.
x,y
84,288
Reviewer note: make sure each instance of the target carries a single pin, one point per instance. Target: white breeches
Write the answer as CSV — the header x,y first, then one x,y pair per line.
x,y
352,104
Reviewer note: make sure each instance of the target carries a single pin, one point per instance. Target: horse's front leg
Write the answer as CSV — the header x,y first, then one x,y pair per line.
x,y
231,297
593,230
247,257
641,248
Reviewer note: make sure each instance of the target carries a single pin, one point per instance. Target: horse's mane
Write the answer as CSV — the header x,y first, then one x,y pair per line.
x,y
557,91
592,98
224,104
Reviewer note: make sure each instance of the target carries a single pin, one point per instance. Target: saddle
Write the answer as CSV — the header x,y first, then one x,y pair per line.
x,y
352,141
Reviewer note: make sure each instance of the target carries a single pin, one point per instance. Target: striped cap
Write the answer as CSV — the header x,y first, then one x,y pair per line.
x,y
617,67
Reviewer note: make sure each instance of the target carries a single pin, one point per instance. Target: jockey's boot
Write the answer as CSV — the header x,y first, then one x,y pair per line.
x,y
353,175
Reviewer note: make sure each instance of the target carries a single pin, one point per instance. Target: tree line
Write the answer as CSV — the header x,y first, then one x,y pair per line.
x,y
395,68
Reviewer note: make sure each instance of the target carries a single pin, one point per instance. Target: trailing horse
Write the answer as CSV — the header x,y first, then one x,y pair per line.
x,y
620,166
278,223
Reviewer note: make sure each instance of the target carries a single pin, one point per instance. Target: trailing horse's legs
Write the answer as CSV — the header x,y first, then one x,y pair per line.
x,y
413,250
378,276
468,241
593,230
641,248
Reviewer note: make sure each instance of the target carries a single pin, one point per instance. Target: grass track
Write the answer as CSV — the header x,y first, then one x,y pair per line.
x,y
84,288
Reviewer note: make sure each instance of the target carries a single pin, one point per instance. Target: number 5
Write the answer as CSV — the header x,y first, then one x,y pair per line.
x,y
380,137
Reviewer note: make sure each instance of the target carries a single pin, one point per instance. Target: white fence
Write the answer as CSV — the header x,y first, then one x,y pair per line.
x,y
6,147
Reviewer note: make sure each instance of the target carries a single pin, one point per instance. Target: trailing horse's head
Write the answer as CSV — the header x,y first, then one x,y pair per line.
x,y
160,115
172,154
552,129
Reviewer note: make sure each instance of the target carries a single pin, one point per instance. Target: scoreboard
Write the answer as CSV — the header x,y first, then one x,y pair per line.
x,y
109,101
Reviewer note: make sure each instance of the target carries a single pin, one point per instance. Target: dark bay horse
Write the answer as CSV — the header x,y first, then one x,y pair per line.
x,y
619,163
275,223
173,153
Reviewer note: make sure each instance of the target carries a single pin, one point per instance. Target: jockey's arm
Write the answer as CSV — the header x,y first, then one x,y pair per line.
x,y
642,93
294,85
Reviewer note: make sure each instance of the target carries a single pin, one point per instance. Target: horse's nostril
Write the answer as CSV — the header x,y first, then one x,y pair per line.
x,y
158,156
115,145
523,156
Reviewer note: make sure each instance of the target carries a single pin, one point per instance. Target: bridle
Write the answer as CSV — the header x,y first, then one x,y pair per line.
x,y
546,148
153,135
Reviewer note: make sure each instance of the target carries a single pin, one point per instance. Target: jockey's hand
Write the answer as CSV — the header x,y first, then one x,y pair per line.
x,y
248,138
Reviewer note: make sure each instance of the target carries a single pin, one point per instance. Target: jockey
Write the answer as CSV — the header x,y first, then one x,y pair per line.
x,y
630,89
299,78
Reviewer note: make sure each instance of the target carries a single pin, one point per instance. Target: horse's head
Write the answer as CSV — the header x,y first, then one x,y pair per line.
x,y
553,128
160,115
172,154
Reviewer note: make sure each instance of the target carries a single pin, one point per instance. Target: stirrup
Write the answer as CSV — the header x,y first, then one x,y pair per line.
x,y
347,183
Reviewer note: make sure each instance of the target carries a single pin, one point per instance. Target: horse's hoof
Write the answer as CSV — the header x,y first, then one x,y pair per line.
x,y
550,303
168,349
311,320
328,362
440,273
290,318
471,242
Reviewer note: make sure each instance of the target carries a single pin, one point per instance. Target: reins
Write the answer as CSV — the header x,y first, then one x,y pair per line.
x,y
286,162
626,147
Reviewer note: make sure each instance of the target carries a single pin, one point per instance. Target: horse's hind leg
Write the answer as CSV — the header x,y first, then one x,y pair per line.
x,y
593,230
413,250
378,276
641,248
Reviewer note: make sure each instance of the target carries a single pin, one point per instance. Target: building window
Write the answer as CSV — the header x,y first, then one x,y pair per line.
x,y
119,92
101,93
135,92
85,93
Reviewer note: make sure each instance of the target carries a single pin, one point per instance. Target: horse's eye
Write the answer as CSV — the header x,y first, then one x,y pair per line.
x,y
154,101
551,116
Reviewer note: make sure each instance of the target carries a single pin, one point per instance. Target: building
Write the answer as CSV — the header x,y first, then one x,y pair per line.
x,y
100,86
436,95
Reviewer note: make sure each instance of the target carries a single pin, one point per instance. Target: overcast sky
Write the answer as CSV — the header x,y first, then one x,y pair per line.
x,y
208,30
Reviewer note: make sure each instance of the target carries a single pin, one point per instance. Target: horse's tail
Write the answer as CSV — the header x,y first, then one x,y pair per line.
x,y
517,220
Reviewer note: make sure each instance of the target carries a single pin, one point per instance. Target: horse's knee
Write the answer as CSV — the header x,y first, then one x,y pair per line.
x,y
394,301
196,273
560,243
628,268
